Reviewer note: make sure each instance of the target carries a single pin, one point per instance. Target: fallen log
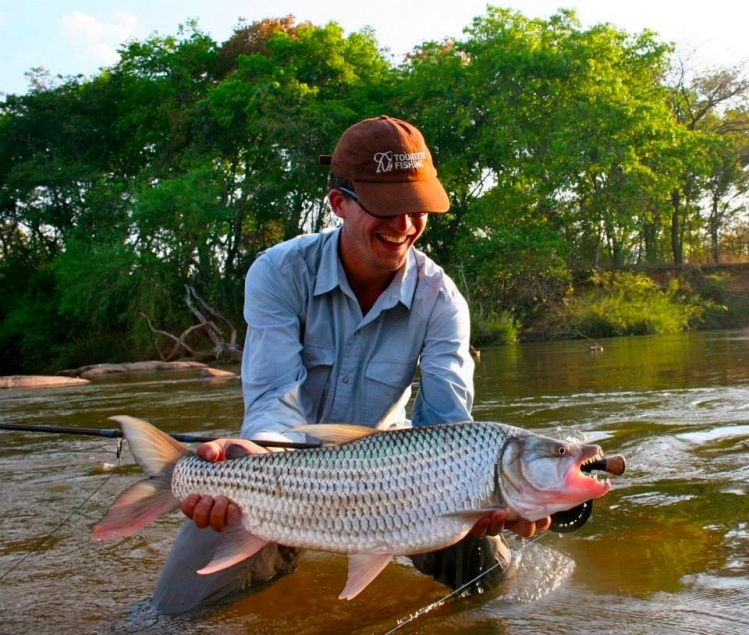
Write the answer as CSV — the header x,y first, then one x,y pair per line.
x,y
99,370
217,373
40,381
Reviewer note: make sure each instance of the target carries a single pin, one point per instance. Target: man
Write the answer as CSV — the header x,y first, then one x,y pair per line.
x,y
337,324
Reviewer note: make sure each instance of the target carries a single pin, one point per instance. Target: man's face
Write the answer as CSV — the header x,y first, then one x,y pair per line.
x,y
372,245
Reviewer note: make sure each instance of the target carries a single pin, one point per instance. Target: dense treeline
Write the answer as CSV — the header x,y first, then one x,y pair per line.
x,y
563,149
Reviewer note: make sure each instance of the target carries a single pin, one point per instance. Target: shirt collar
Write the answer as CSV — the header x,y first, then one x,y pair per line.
x,y
331,275
330,271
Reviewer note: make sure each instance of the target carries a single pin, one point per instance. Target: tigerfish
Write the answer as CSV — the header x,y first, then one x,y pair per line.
x,y
372,495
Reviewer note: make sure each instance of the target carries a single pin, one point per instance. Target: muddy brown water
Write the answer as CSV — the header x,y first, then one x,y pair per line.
x,y
667,551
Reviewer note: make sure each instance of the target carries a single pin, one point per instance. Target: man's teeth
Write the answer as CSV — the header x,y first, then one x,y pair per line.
x,y
393,239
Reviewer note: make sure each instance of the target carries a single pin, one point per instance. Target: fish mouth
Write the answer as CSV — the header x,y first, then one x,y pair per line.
x,y
591,456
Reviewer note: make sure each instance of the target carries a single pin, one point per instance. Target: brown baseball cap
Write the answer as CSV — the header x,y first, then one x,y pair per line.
x,y
390,166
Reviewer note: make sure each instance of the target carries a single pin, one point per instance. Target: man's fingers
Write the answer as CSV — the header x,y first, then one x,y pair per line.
x,y
201,514
543,524
188,505
493,524
223,449
522,527
211,451
233,515
479,529
217,518
490,525
497,522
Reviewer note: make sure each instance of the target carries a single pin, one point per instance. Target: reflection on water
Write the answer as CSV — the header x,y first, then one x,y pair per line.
x,y
667,551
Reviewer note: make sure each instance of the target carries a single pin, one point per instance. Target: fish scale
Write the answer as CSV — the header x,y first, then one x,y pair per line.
x,y
375,494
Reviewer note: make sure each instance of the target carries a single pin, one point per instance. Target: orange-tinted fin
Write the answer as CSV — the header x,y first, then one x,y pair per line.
x,y
139,505
362,569
236,544
335,433
136,507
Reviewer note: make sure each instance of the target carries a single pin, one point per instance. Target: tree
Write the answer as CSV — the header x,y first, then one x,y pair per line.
x,y
172,167
562,149
548,137
712,108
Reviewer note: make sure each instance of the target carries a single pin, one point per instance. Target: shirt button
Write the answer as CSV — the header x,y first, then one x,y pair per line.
x,y
345,380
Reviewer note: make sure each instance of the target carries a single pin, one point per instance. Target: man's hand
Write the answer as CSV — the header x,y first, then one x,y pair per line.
x,y
491,525
217,513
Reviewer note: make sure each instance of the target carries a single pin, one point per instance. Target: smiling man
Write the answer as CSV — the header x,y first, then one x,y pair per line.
x,y
337,325
338,322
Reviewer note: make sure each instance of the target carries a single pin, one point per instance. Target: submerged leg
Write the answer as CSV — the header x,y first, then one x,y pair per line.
x,y
462,562
180,588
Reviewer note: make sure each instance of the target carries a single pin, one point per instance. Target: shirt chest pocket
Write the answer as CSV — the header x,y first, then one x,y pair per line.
x,y
396,374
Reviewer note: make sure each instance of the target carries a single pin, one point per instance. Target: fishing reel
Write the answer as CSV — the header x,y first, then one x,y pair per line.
x,y
571,519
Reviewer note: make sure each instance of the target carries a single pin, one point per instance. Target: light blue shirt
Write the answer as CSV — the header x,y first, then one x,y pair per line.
x,y
310,356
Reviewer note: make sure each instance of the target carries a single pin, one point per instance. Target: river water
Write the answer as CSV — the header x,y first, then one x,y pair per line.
x,y
667,551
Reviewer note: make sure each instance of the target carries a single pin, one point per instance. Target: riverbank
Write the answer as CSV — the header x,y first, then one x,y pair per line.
x,y
724,284
645,301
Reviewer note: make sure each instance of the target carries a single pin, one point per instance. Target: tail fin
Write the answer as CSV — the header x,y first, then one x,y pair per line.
x,y
156,453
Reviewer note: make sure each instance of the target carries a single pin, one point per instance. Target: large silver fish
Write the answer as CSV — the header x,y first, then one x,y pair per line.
x,y
374,495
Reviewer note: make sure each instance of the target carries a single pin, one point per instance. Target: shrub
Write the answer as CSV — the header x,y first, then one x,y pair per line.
x,y
626,303
492,327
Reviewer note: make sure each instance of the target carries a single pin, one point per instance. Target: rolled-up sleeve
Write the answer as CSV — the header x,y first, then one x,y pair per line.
x,y
446,381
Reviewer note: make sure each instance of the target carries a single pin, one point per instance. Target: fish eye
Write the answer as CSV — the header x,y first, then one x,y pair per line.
x,y
561,450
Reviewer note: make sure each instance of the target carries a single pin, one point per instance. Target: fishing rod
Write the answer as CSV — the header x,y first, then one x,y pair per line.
x,y
116,433
613,463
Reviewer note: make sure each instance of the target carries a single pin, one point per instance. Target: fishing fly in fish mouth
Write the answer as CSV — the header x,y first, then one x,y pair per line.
x,y
368,496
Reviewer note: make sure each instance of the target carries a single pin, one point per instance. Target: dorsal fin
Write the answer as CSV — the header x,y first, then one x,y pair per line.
x,y
335,433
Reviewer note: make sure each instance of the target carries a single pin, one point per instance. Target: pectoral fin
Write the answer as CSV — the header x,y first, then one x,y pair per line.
x,y
235,545
362,569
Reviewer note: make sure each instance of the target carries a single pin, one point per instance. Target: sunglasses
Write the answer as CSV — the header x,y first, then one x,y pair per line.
x,y
355,196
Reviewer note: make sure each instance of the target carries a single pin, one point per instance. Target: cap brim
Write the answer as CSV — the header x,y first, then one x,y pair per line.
x,y
406,197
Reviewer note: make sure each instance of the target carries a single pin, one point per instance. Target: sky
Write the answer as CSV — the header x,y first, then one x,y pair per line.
x,y
72,37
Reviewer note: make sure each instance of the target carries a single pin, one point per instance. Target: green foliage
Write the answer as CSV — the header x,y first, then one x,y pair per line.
x,y
625,303
492,327
29,324
513,256
562,148
725,309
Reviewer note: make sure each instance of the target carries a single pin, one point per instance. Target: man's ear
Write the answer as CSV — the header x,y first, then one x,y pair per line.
x,y
336,199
